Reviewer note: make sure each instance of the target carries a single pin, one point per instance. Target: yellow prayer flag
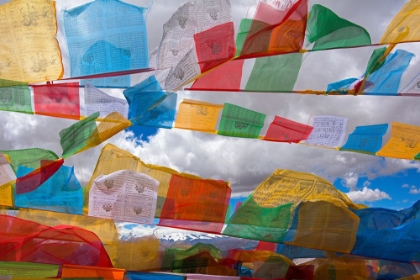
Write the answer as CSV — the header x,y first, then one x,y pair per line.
x,y
113,159
287,186
404,27
30,52
329,226
196,115
6,198
139,254
103,228
404,142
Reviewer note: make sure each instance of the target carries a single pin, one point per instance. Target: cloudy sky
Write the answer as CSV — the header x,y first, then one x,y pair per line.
x,y
246,162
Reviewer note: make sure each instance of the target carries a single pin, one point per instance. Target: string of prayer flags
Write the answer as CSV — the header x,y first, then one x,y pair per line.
x,y
16,99
28,270
328,31
366,139
195,204
240,122
404,142
285,130
98,101
86,272
57,100
62,192
106,36
30,52
124,196
329,131
139,254
22,240
103,228
276,28
37,177
196,115
278,73
403,28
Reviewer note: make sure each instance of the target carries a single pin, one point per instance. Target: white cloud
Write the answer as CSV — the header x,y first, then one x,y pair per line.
x,y
350,180
368,195
405,186
414,190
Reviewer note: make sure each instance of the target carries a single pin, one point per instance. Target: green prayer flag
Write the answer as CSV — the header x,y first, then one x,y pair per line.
x,y
240,122
275,73
28,270
374,63
75,137
330,31
16,99
253,221
29,157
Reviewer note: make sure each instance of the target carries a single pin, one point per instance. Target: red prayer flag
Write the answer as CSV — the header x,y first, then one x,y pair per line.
x,y
215,46
57,100
285,130
227,76
195,204
27,241
37,177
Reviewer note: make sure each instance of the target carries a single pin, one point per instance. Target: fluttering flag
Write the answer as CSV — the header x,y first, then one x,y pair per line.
x,y
412,88
124,195
85,134
22,240
57,100
404,27
7,175
102,228
198,37
366,139
328,31
28,157
196,204
275,73
30,52
284,130
37,177
106,36
404,142
240,122
62,192
98,101
149,105
173,254
386,80
136,275
224,77
129,251
74,138
329,131
276,28
195,115
16,99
